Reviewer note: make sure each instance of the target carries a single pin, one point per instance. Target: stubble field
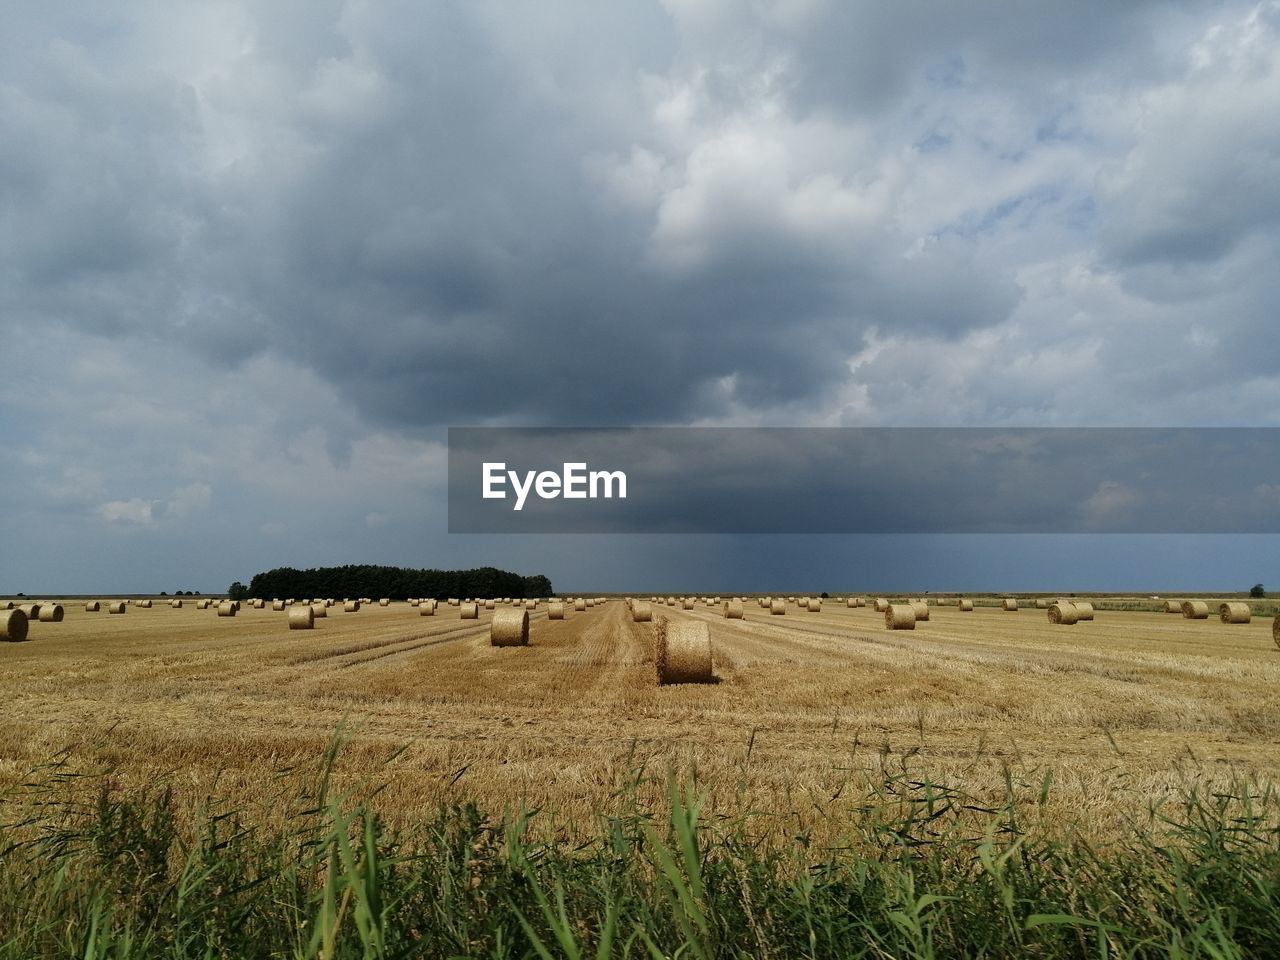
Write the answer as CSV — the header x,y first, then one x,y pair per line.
x,y
1091,723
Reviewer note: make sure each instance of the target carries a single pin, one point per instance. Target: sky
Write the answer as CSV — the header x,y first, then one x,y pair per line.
x,y
256,258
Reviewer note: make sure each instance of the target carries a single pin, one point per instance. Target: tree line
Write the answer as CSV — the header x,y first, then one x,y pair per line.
x,y
398,583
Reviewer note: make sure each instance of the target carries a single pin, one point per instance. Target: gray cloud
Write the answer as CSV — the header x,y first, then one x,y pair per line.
x,y
265,242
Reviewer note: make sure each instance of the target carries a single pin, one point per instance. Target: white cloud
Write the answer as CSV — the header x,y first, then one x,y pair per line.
x,y
135,512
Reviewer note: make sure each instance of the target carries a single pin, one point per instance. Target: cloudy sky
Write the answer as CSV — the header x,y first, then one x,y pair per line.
x,y
256,257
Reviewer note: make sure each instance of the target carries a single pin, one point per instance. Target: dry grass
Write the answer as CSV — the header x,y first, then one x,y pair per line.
x,y
1136,706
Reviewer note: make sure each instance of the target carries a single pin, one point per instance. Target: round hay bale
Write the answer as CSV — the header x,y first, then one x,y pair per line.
x,y
686,603
683,653
146,604
1063,612
488,604
116,606
1233,611
531,604
580,604
900,616
384,602
413,602
351,606
226,609
51,613
814,605
301,618
510,628
202,604
1084,609
1176,606
881,605
32,610
966,606
778,608
641,611
733,610
92,606
1011,604
13,625
319,610
1195,610
555,610
7,605
175,604
277,605
469,611
921,610
851,603
426,609
259,604
1042,603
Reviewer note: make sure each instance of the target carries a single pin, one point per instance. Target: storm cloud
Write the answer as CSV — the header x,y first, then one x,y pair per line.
x,y
255,257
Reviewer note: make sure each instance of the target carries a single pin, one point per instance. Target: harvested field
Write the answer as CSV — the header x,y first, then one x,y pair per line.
x,y
1123,710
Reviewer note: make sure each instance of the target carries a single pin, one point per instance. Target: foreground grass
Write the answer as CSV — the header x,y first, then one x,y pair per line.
x,y
922,872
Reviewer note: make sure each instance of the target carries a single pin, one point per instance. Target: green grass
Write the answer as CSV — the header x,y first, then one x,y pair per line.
x,y
923,872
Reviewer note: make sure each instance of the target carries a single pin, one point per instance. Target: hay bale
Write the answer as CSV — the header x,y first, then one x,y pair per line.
x,y
900,616
921,609
579,605
1063,612
319,610
641,611
469,611
92,606
510,628
733,610
116,606
777,608
7,605
1175,606
488,604
426,609
683,652
1011,604
881,605
277,605
301,618
51,613
1195,610
259,604
13,625
384,602
175,604
146,604
351,606
1233,611
814,605
531,604
1084,609
202,604
555,610
687,603
966,606
226,609
851,603
32,610
1042,603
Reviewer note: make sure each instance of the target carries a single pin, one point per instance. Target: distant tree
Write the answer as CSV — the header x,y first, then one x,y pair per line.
x,y
163,594
825,595
1257,591
237,591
